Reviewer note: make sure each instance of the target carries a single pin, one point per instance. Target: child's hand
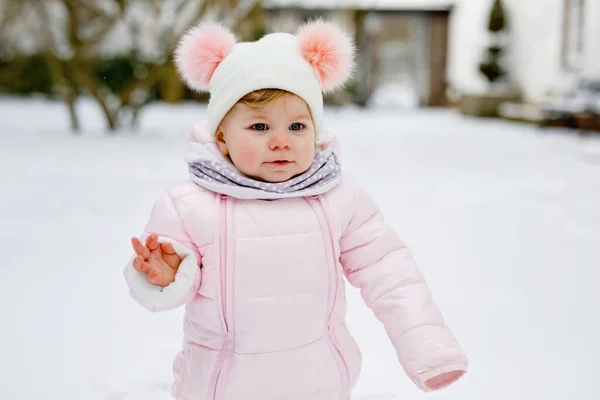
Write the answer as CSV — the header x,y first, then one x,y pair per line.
x,y
158,261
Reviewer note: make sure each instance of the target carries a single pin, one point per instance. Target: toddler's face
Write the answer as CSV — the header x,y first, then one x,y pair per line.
x,y
272,143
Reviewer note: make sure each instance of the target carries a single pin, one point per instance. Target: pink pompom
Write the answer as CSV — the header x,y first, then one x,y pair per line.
x,y
200,52
329,50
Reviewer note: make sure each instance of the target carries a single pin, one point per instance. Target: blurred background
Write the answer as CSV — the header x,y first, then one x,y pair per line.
x,y
474,124
527,60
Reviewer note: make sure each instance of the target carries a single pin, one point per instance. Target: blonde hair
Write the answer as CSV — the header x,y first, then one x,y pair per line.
x,y
262,97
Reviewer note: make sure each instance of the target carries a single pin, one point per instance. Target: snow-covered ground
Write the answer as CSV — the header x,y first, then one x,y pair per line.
x,y
504,220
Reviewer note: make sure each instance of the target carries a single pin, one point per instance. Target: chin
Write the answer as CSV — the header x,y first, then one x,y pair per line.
x,y
277,179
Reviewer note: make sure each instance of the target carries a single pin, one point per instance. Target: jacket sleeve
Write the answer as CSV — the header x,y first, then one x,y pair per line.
x,y
166,222
377,261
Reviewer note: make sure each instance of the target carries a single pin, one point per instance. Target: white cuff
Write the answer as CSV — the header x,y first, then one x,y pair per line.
x,y
155,297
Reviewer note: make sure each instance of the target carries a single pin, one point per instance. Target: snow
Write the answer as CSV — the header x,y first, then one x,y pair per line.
x,y
395,94
503,219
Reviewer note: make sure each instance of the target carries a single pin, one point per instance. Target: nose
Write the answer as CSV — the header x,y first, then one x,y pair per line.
x,y
279,140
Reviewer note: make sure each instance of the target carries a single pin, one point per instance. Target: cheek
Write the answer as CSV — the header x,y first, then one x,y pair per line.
x,y
246,152
306,149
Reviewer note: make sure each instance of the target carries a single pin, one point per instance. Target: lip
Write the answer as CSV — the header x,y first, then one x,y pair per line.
x,y
280,163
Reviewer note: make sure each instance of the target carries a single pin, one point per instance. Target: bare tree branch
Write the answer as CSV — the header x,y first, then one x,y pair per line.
x,y
8,11
71,47
240,12
174,35
44,35
72,24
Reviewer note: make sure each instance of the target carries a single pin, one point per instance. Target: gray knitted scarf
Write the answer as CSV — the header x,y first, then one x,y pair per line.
x,y
323,174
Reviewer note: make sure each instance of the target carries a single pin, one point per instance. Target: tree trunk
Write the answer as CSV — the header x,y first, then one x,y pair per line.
x,y
65,88
172,87
85,78
111,119
75,126
364,59
135,118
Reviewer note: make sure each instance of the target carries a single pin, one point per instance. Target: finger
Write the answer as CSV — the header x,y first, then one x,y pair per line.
x,y
136,244
154,246
139,264
170,256
139,248
168,248
152,242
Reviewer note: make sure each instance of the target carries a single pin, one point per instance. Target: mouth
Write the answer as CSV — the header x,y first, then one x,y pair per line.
x,y
280,163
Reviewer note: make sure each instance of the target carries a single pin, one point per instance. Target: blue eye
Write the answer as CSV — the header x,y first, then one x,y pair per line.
x,y
259,127
297,126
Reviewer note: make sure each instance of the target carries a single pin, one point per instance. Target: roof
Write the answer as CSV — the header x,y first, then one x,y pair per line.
x,y
389,5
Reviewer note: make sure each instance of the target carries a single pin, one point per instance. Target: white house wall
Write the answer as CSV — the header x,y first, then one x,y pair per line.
x,y
591,60
535,45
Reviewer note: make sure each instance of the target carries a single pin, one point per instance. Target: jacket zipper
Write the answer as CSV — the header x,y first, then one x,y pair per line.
x,y
342,365
227,347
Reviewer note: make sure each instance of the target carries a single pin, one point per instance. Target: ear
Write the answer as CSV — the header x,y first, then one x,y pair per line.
x,y
200,51
220,140
329,50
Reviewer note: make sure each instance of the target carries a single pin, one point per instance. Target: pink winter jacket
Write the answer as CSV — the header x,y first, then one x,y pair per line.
x,y
263,285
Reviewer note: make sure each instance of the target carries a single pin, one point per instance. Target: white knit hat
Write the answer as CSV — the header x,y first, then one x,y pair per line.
x,y
316,60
